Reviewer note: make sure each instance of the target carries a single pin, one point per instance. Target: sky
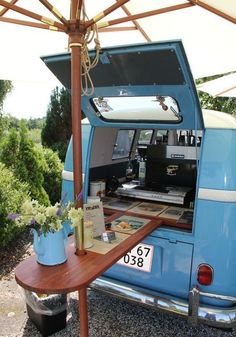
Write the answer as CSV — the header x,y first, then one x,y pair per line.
x,y
207,42
28,99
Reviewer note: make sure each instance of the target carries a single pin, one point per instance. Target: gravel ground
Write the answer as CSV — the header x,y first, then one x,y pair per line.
x,y
108,317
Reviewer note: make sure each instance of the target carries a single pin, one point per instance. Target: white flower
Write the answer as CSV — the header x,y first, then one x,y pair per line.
x,y
58,225
76,216
40,218
51,211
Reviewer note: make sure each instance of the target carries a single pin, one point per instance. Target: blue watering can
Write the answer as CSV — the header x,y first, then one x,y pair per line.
x,y
50,248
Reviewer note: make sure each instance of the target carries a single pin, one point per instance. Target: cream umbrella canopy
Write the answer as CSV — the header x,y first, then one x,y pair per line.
x,y
224,86
208,38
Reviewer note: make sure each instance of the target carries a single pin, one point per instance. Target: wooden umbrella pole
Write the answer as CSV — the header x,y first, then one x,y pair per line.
x,y
76,38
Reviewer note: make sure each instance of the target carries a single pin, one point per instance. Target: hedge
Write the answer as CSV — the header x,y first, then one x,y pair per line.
x,y
12,194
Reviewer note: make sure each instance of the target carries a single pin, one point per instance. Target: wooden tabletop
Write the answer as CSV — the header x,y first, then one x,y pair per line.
x,y
78,271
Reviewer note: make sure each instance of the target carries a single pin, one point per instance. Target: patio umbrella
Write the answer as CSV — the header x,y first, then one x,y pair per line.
x,y
224,86
76,26
68,18
207,37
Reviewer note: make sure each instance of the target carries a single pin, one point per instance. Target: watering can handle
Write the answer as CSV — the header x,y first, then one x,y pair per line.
x,y
36,245
65,234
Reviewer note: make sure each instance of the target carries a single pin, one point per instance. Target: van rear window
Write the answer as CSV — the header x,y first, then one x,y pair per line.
x,y
139,108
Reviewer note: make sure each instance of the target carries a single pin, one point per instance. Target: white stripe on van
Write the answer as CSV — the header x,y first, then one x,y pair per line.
x,y
217,195
68,175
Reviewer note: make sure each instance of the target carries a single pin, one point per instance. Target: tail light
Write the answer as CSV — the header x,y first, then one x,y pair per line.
x,y
205,274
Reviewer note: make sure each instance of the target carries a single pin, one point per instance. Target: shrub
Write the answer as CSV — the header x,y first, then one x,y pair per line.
x,y
12,194
52,171
19,153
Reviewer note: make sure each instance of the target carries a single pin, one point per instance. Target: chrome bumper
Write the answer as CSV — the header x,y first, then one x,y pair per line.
x,y
192,309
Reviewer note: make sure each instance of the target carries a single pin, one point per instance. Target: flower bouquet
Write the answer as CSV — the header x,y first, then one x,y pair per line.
x,y
47,219
50,235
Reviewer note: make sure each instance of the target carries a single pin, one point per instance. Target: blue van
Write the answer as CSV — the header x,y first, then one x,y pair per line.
x,y
161,157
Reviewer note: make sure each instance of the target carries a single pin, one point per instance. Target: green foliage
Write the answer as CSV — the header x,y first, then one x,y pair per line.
x,y
224,104
56,132
12,194
26,162
5,88
35,123
52,171
35,135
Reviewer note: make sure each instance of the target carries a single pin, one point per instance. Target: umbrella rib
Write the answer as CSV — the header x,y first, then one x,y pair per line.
x,y
213,10
224,91
107,11
4,10
137,25
144,15
30,24
116,29
54,11
32,15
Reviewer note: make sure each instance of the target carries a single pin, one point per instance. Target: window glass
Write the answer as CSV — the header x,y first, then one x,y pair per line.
x,y
122,146
138,108
145,137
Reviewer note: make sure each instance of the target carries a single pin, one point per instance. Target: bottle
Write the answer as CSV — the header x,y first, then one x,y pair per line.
x,y
142,171
129,170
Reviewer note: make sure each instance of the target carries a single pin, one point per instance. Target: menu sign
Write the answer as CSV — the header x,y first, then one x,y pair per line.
x,y
94,212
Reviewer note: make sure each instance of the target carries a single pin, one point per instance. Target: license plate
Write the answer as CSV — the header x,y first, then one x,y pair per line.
x,y
140,257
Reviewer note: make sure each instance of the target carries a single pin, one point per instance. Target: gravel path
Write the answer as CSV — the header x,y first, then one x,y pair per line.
x,y
108,317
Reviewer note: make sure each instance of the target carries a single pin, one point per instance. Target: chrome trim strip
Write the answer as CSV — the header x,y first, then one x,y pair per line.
x,y
217,195
210,315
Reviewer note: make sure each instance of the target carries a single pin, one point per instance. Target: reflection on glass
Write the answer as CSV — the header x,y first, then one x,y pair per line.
x,y
149,108
123,144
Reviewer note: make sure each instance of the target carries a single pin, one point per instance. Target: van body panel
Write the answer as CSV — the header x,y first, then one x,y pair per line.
x,y
218,160
169,255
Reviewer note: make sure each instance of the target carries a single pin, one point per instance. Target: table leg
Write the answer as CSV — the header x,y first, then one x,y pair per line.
x,y
83,312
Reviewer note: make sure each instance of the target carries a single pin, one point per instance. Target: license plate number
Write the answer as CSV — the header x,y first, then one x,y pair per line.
x,y
140,257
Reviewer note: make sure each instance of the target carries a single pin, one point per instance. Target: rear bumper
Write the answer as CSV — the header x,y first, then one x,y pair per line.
x,y
192,309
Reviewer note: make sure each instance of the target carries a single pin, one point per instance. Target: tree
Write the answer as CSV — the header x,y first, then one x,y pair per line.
x,y
56,132
5,88
19,153
12,194
52,174
224,104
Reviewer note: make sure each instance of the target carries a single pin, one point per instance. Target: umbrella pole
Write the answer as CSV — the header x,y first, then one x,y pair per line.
x,y
75,44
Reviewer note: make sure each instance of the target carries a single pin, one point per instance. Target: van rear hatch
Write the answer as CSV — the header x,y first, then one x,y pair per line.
x,y
156,70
